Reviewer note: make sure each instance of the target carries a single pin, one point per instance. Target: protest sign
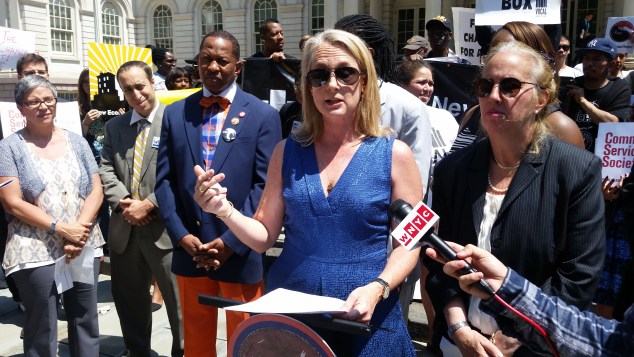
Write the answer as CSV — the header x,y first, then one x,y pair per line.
x,y
621,31
615,148
103,63
13,44
499,12
67,117
464,34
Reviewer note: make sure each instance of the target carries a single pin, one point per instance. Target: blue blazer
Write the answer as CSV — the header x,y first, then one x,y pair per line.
x,y
550,227
244,161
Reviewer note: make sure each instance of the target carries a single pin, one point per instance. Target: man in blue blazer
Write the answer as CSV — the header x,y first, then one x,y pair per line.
x,y
230,131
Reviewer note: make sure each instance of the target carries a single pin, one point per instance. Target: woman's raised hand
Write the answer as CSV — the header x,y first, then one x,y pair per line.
x,y
208,193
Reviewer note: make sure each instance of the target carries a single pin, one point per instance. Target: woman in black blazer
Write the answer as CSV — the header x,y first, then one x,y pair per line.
x,y
533,201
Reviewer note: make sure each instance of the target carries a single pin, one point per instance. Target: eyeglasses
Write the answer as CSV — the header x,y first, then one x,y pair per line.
x,y
35,104
509,87
34,71
344,75
564,47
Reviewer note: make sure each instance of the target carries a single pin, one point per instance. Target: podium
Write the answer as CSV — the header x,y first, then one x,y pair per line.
x,y
283,335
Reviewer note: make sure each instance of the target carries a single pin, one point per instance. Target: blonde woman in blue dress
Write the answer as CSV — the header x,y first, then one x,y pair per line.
x,y
330,185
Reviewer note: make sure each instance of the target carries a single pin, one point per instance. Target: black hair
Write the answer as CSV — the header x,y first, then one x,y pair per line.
x,y
175,73
225,35
377,37
264,27
140,64
29,58
158,54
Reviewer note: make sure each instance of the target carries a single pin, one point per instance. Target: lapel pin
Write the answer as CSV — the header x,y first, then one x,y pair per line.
x,y
242,114
229,135
235,121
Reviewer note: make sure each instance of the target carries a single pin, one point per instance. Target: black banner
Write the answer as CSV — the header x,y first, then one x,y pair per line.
x,y
260,76
453,87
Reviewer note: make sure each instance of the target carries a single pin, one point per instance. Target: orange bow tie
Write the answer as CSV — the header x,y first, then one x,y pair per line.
x,y
222,102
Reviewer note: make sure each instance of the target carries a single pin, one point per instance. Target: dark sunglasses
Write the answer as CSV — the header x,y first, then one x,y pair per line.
x,y
509,87
564,47
344,75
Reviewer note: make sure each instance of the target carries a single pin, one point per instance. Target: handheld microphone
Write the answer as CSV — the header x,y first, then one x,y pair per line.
x,y
399,211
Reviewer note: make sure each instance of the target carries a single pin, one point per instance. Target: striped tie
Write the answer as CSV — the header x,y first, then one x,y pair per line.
x,y
139,149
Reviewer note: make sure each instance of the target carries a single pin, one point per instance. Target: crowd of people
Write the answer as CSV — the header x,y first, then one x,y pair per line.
x,y
186,198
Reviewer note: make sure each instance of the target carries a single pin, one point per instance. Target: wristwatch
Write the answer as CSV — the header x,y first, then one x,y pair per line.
x,y
386,287
453,328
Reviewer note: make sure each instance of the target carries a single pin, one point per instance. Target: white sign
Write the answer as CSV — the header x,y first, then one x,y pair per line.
x,y
499,12
464,34
621,31
13,44
67,118
615,148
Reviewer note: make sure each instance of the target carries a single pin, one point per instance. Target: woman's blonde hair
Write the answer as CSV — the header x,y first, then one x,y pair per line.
x,y
542,75
368,113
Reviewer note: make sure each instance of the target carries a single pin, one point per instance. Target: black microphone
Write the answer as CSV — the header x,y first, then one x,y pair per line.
x,y
399,209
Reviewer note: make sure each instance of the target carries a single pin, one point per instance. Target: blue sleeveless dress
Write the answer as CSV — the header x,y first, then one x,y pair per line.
x,y
337,243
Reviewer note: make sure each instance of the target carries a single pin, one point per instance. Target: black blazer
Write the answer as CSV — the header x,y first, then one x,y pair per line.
x,y
550,227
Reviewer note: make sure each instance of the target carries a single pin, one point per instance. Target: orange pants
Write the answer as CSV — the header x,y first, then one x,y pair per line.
x,y
200,321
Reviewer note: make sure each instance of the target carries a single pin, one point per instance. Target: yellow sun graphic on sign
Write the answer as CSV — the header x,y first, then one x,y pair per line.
x,y
103,58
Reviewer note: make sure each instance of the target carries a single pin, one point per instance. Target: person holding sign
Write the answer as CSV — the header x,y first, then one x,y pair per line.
x,y
517,179
594,97
330,185
52,202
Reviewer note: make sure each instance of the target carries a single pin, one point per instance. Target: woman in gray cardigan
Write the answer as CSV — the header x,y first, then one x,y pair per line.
x,y
51,205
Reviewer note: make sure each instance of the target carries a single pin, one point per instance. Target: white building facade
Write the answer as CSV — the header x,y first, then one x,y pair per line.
x,y
63,28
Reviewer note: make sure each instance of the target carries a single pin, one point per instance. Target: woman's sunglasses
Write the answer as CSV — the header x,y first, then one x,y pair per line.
x,y
509,87
345,76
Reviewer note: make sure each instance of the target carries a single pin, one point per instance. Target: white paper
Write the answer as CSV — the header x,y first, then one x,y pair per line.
x,y
63,277
79,269
284,301
277,98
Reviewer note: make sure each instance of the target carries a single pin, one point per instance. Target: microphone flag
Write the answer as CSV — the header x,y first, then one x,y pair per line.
x,y
414,226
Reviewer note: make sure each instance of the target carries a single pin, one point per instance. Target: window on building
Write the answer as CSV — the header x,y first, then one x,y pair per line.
x,y
61,23
262,10
110,24
211,17
409,22
163,27
317,16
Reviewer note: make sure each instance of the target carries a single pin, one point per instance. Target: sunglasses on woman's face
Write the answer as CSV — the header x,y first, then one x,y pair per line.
x,y
508,87
346,76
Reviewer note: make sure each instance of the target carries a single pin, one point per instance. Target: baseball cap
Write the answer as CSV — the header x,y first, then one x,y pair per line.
x,y
193,60
604,45
416,42
438,21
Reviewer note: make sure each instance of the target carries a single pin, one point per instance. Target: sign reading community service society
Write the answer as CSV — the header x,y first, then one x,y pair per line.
x,y
13,44
615,148
499,12
103,63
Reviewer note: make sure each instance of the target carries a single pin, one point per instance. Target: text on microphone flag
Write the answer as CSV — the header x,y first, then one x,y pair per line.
x,y
414,226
